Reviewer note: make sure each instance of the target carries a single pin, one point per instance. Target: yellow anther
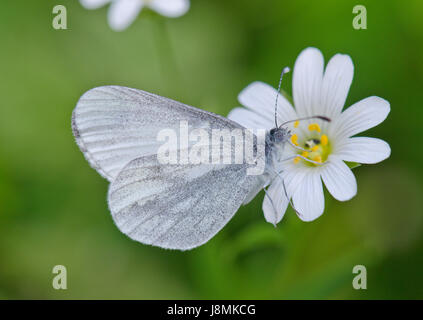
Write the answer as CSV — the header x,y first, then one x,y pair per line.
x,y
315,148
296,124
297,159
324,140
304,154
317,159
294,139
314,127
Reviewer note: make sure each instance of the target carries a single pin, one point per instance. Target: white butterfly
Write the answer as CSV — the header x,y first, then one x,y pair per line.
x,y
178,206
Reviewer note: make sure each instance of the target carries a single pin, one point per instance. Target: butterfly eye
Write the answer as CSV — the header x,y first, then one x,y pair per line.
x,y
316,141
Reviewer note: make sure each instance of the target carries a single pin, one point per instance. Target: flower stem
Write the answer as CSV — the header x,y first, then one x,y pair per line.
x,y
167,61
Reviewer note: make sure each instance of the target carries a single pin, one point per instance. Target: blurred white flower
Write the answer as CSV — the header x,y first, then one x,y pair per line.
x,y
316,92
123,12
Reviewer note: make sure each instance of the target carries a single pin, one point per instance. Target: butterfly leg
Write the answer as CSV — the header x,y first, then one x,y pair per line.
x,y
271,201
296,147
278,174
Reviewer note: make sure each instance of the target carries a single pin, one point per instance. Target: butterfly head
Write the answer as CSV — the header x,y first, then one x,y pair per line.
x,y
279,135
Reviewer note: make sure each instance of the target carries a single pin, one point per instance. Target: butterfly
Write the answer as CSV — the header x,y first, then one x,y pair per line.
x,y
174,206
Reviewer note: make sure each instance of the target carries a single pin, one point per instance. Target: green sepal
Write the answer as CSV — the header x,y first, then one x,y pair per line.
x,y
352,165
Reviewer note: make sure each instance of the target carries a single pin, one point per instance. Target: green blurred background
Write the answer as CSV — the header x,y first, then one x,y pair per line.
x,y
53,205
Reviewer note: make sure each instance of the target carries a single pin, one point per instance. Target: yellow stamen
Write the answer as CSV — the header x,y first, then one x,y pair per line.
x,y
315,148
324,140
314,127
294,139
296,124
297,159
317,159
304,154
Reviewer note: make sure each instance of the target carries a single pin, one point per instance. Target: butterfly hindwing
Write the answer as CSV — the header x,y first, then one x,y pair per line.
x,y
176,206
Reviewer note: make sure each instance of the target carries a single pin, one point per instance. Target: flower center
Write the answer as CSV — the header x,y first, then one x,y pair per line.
x,y
316,146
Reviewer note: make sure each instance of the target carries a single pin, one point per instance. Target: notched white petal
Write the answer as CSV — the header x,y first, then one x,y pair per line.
x,y
364,150
339,179
170,8
308,197
261,98
93,4
336,84
249,119
307,82
361,116
275,207
123,12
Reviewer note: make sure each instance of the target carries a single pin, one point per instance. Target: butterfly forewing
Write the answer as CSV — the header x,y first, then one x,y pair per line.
x,y
114,125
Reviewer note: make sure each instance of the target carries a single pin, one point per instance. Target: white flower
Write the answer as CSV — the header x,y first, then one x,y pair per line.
x,y
316,92
123,12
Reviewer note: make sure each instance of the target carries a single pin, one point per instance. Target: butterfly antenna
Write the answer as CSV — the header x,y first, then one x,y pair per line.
x,y
285,70
306,118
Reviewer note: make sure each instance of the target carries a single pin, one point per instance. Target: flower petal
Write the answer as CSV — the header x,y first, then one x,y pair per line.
x,y
308,197
261,98
274,208
123,12
339,179
361,116
336,84
363,150
307,82
170,8
250,119
93,4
